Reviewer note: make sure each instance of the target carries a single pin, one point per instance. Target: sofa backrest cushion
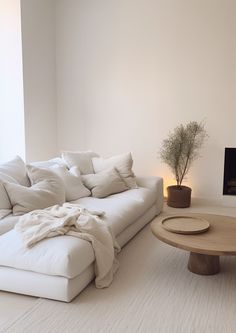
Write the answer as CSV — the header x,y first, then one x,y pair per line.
x,y
81,159
50,163
47,190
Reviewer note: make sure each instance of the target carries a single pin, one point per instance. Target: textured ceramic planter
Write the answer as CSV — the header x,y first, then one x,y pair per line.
x,y
178,196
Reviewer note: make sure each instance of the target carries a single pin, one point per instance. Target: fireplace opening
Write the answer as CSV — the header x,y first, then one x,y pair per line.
x,y
229,187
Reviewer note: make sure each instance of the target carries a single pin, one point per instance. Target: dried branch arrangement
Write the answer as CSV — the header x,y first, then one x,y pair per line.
x,y
182,147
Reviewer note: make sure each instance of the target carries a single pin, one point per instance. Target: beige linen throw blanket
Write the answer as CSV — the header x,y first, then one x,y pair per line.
x,y
74,220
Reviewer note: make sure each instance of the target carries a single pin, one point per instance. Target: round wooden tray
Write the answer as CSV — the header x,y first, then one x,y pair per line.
x,y
187,225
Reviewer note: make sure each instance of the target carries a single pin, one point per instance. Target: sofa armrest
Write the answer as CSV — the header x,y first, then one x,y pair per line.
x,y
156,184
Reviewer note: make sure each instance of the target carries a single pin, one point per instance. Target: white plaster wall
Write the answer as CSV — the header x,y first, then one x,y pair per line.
x,y
72,103
11,82
39,69
129,71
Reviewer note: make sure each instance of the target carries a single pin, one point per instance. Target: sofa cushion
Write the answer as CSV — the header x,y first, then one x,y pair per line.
x,y
81,159
49,163
5,202
17,170
105,183
122,209
13,171
69,256
7,223
62,256
123,163
74,187
4,213
47,190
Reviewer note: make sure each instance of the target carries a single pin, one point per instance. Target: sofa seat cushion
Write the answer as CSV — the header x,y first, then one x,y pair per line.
x,y
69,256
7,223
61,256
122,209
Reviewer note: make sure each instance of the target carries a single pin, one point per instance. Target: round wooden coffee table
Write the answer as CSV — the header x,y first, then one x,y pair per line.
x,y
205,248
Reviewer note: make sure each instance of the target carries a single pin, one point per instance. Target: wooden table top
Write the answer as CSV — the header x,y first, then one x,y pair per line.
x,y
220,239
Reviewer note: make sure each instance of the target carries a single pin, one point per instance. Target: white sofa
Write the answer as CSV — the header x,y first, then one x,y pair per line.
x,y
59,268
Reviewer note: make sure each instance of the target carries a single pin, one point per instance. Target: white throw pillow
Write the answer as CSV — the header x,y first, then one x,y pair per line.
x,y
105,183
74,187
123,163
16,169
47,190
75,171
4,213
4,199
13,171
81,159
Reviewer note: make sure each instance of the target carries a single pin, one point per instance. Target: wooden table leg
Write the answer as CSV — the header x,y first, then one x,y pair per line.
x,y
203,264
